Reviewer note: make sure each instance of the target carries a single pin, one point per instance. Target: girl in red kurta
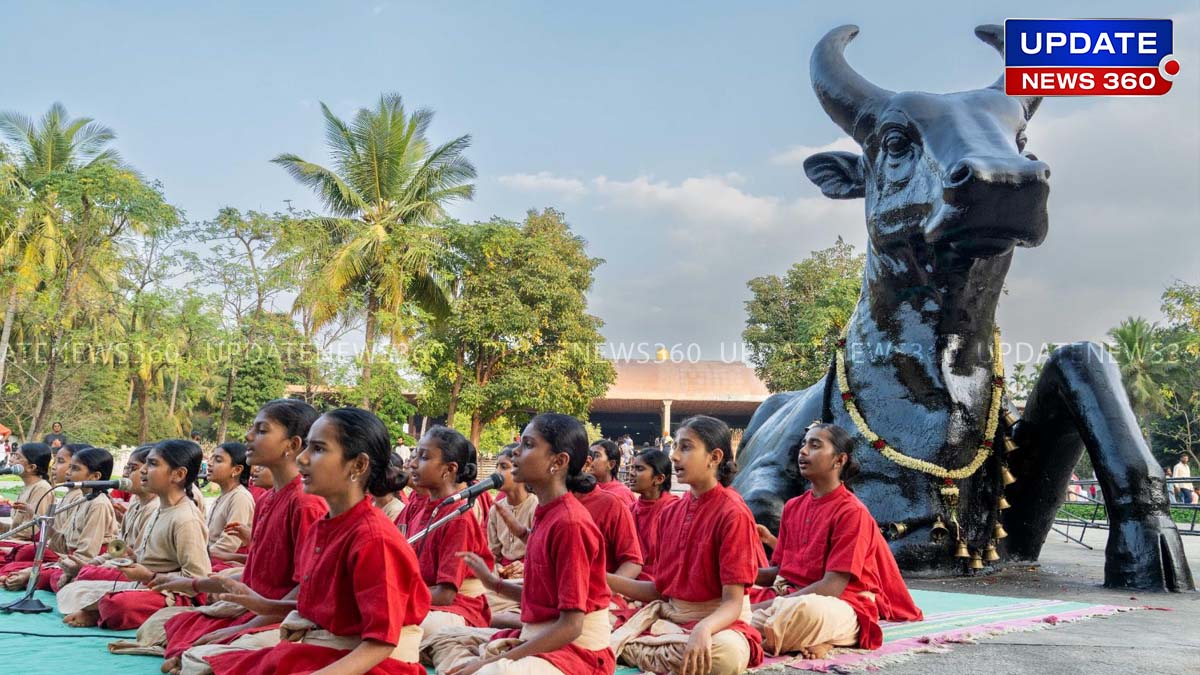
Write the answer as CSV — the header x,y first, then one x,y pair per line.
x,y
260,484
707,560
650,473
281,524
605,464
361,597
564,598
444,463
623,553
835,573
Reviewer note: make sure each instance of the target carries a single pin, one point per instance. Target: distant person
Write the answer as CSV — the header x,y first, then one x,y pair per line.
x,y
402,450
56,438
1186,491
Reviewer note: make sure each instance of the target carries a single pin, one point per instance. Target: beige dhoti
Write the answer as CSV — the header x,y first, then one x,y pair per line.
x,y
662,649
802,621
462,645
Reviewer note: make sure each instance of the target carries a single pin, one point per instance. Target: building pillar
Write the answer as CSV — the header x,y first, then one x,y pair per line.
x,y
666,418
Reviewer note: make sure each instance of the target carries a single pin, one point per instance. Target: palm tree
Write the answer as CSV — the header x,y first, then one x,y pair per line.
x,y
1138,347
33,243
387,187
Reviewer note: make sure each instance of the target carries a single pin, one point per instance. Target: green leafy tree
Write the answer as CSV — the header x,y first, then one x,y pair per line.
x,y
518,338
793,322
260,379
386,186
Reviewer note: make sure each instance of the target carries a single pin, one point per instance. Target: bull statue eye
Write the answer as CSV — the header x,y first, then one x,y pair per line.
x,y
896,143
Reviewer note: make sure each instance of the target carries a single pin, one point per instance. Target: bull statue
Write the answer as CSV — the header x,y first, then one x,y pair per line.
x,y
950,192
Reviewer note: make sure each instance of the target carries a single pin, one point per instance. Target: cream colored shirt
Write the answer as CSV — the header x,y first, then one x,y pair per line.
x,y
92,525
176,540
235,506
501,540
33,496
392,509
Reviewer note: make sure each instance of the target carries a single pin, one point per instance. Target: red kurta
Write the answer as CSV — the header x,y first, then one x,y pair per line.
x,y
412,519
564,571
616,525
282,522
618,489
440,564
712,543
259,494
837,533
647,516
361,581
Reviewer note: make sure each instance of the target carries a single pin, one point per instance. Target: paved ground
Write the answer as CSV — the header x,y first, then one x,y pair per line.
x,y
1132,642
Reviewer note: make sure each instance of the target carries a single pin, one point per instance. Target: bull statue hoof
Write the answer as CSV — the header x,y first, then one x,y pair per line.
x,y
950,470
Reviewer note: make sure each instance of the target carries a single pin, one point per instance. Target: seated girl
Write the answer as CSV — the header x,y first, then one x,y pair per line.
x,y
622,552
24,552
89,525
650,473
832,571
260,484
361,598
228,470
34,499
507,529
605,464
175,541
444,463
697,617
273,565
412,518
133,526
389,502
564,598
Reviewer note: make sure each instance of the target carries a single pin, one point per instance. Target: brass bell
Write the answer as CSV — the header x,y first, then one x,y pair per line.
x,y
897,530
1009,444
961,551
990,554
117,548
938,532
976,562
998,531
1003,503
1009,479
1009,418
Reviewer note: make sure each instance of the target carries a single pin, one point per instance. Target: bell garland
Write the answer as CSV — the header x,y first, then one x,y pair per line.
x,y
949,490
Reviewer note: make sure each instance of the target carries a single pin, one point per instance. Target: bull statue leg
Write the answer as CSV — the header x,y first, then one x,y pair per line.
x,y
1078,402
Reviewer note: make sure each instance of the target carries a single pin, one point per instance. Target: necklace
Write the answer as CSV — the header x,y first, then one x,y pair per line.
x,y
886,449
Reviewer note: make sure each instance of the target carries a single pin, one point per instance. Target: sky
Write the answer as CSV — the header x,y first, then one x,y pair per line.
x,y
671,134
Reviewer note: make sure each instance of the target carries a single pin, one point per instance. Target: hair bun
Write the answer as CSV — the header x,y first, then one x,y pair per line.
x,y
468,472
581,483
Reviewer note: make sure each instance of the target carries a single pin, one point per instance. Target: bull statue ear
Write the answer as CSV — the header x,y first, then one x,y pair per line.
x,y
838,174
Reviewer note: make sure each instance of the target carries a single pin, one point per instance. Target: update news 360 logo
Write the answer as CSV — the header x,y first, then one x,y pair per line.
x,y
1088,57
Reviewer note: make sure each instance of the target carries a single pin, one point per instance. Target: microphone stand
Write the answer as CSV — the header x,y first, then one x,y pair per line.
x,y
462,508
30,604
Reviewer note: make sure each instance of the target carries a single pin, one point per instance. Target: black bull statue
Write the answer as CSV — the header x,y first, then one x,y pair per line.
x,y
950,192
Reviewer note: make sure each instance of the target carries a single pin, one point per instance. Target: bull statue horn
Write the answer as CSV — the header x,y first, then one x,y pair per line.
x,y
847,97
994,36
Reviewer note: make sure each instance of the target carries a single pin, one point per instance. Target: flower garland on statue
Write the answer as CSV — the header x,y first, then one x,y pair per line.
x,y
947,475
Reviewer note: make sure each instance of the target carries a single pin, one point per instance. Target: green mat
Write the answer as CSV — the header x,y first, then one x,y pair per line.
x,y
41,644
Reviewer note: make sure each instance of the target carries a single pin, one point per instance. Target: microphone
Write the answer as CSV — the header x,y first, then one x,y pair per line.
x,y
119,484
492,482
15,470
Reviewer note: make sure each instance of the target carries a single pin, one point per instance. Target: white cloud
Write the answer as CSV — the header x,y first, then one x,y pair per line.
x,y
544,181
796,154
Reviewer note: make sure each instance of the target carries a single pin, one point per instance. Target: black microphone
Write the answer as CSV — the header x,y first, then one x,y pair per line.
x,y
492,482
119,484
15,470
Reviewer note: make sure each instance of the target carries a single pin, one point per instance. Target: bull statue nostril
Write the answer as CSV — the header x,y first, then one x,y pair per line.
x,y
960,174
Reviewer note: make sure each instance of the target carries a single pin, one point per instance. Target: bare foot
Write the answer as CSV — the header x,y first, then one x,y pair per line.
x,y
816,651
81,619
171,665
16,581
